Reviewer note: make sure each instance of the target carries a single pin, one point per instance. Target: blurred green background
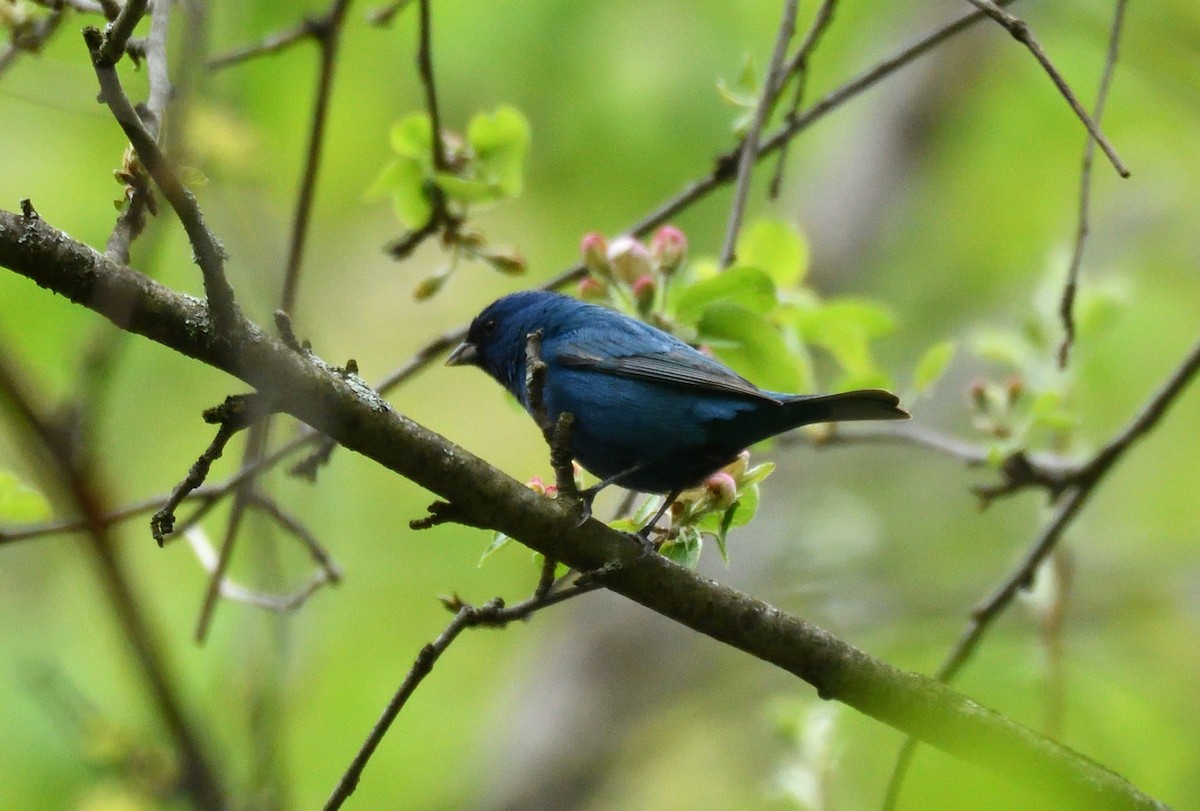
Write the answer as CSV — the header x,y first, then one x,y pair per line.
x,y
948,192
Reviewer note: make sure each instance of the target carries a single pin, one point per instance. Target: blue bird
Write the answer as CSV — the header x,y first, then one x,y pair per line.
x,y
651,413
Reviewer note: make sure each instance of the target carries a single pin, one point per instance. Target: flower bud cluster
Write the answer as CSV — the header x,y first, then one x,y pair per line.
x,y
637,272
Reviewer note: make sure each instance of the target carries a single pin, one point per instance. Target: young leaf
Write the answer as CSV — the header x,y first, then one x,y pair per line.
x,y
412,138
20,503
776,248
750,344
499,541
685,548
932,365
500,142
410,201
747,286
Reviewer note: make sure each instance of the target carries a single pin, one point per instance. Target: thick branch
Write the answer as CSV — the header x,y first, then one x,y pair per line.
x,y
363,422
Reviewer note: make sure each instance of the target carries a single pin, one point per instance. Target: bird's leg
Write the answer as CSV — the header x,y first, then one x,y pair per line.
x,y
644,532
587,496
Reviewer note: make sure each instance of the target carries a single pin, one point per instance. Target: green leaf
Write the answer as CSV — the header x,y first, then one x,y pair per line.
x,y
499,541
410,199
840,315
932,365
757,474
412,138
751,344
844,328
747,286
1002,347
20,503
500,142
464,190
685,548
390,179
776,248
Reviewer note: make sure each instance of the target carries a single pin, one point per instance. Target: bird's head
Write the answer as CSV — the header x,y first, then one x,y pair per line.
x,y
496,339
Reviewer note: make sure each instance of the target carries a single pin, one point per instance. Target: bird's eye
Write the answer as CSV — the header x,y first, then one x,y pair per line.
x,y
488,327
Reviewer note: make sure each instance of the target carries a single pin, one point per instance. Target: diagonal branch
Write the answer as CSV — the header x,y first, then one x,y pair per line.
x,y
209,254
317,394
748,156
1022,33
1066,307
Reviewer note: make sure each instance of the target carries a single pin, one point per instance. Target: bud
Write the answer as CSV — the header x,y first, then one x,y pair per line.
x,y
594,251
977,393
592,289
429,286
668,248
541,488
511,264
1014,388
722,489
643,294
629,259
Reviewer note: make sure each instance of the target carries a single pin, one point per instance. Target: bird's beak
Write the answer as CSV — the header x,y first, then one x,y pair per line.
x,y
466,354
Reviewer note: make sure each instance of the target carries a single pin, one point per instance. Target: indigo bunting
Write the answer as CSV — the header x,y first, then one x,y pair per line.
x,y
650,412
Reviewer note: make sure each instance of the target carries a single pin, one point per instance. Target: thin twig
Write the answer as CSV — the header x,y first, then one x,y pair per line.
x,y
117,34
798,68
328,33
748,157
1021,32
209,254
425,70
493,613
1066,306
132,220
271,44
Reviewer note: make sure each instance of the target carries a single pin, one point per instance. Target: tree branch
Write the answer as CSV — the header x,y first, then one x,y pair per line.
x,y
317,394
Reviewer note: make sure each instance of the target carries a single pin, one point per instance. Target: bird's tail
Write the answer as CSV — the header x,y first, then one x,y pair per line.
x,y
864,404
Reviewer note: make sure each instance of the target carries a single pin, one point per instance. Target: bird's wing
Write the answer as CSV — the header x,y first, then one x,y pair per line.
x,y
680,366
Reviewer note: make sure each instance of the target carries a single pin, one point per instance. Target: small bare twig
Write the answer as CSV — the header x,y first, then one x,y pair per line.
x,y
491,614
271,44
1022,33
425,70
384,15
209,254
230,590
798,68
1066,307
748,157
117,33
237,413
328,33
140,196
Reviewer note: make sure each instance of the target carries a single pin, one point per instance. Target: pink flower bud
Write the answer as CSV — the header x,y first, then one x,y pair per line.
x,y
978,395
643,293
668,248
1014,388
722,489
592,289
629,259
594,251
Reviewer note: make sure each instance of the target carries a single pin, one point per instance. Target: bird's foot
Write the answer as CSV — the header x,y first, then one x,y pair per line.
x,y
584,506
